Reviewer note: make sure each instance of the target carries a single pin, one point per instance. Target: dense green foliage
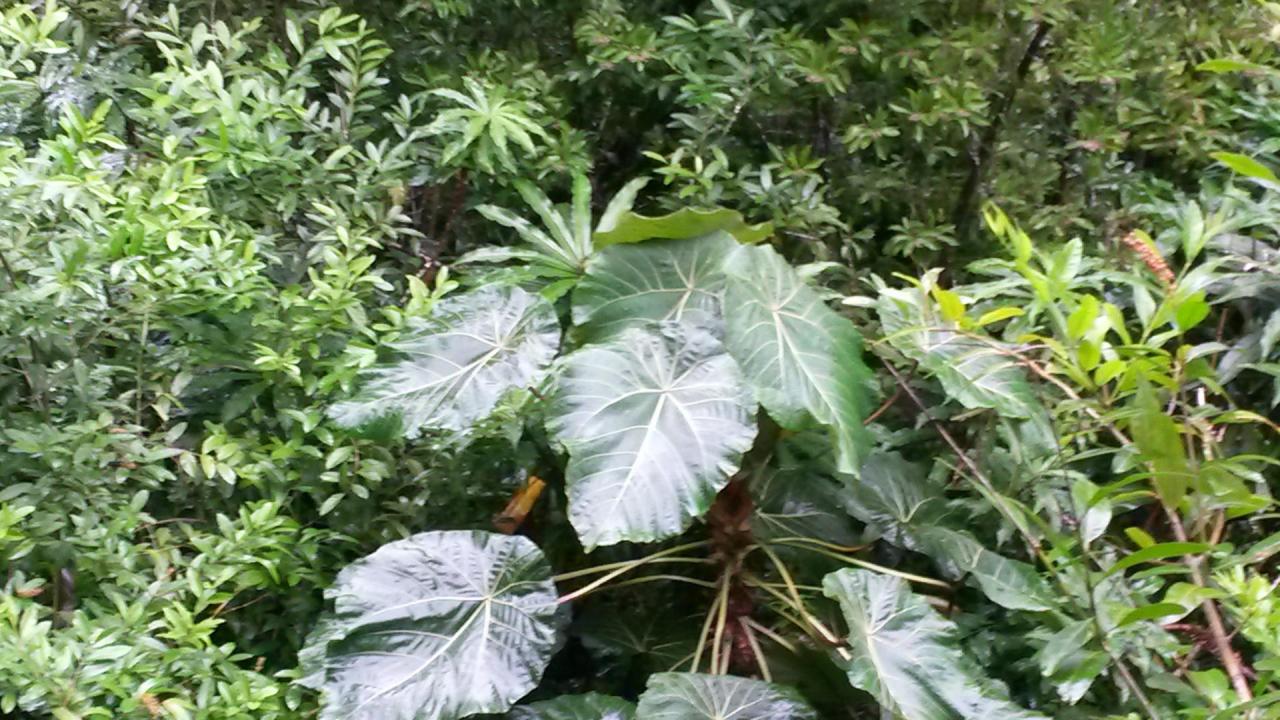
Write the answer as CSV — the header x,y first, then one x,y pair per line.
x,y
684,359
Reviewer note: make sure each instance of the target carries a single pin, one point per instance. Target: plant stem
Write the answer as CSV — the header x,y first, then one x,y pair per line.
x,y
626,563
722,614
755,650
872,566
760,628
823,632
1221,642
622,569
706,628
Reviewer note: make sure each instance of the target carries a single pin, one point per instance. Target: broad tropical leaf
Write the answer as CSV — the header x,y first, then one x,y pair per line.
x,y
661,280
655,422
458,364
694,696
588,706
654,637
976,372
909,657
898,500
798,501
803,359
628,227
440,625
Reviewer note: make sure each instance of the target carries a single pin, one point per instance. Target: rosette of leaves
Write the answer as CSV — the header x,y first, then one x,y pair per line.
x,y
677,348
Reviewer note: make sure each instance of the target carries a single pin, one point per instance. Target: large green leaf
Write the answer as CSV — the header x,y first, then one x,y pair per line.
x,y
909,657
588,706
627,630
662,280
459,363
694,696
977,372
898,500
796,501
803,359
629,227
441,625
655,422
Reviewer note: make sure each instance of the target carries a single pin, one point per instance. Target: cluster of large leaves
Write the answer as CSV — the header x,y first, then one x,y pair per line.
x,y
451,624
680,334
656,405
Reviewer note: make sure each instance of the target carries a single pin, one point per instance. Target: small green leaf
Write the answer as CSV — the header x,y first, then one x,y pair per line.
x,y
1160,444
1158,552
1245,165
1226,65
998,314
1191,312
1151,612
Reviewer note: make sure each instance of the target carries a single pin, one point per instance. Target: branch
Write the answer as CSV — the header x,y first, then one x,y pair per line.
x,y
962,217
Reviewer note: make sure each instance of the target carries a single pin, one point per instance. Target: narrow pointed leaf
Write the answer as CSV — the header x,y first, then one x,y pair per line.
x,y
588,706
803,359
694,696
626,285
551,217
457,365
909,657
621,203
439,626
655,422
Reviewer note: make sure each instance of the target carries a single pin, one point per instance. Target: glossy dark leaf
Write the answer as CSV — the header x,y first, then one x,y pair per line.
x,y
975,372
909,657
898,500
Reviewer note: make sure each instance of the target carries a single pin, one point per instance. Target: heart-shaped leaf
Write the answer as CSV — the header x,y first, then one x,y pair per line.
x,y
440,625
796,501
588,706
458,364
694,696
909,657
626,285
655,422
803,359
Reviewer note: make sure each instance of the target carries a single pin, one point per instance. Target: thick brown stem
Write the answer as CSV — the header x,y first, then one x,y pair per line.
x,y
729,521
1217,630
